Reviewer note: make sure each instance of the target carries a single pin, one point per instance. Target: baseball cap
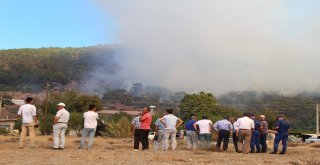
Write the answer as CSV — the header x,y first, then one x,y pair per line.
x,y
262,116
61,104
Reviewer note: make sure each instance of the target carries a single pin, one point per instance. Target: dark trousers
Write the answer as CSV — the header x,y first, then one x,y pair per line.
x,y
263,142
137,138
281,137
255,141
144,138
223,135
235,141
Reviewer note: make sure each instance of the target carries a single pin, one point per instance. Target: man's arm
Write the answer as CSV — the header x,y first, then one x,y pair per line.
x,y
210,126
215,126
252,125
162,121
195,126
179,122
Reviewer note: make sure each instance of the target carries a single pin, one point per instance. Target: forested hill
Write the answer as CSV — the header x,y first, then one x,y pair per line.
x,y
30,69
299,108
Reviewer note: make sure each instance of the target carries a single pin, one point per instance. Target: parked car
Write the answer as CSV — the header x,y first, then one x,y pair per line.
x,y
313,139
151,135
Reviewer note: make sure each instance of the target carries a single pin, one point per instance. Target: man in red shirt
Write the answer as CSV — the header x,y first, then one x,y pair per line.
x,y
145,120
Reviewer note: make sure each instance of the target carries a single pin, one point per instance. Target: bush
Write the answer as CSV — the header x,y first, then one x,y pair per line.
x,y
119,129
3,131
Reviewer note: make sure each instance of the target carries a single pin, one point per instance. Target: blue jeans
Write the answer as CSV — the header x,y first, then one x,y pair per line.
x,y
255,141
87,131
280,137
205,140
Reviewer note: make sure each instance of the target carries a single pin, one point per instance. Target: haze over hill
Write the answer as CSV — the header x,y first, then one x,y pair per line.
x,y
219,45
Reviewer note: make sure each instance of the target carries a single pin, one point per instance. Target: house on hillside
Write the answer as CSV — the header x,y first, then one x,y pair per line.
x,y
117,108
7,120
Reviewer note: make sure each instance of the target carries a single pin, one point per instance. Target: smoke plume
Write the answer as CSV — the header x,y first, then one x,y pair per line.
x,y
219,46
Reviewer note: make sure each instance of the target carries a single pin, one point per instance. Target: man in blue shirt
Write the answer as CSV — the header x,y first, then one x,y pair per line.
x,y
225,129
282,128
192,135
255,138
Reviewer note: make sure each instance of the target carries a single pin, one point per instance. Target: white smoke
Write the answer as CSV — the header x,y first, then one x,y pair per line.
x,y
219,45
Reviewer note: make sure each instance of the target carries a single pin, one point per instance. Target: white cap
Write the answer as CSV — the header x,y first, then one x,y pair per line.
x,y
61,104
262,116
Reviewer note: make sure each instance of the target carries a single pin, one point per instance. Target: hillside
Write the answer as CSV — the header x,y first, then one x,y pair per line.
x,y
30,69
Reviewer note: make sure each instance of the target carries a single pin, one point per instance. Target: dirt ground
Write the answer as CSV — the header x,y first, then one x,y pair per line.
x,y
119,151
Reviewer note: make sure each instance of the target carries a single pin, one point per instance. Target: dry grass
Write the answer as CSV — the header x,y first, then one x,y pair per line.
x,y
120,151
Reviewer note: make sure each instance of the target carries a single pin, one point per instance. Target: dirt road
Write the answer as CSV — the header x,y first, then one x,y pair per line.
x,y
119,151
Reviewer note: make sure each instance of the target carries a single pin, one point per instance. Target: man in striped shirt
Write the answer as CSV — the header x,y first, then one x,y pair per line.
x,y
135,130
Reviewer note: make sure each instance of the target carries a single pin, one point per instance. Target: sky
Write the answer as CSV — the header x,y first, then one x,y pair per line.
x,y
189,45
54,23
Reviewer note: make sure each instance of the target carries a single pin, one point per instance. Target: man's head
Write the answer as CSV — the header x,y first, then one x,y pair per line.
x,y
170,111
193,117
92,107
226,117
252,116
262,117
246,114
60,106
281,117
29,100
145,110
204,117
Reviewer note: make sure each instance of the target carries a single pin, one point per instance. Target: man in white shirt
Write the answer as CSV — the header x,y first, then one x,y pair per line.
x,y
170,124
28,112
60,125
90,125
204,127
244,127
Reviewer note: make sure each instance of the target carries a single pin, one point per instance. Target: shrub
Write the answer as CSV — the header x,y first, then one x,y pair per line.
x,y
119,129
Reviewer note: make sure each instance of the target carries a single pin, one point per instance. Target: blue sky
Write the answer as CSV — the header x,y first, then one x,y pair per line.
x,y
53,23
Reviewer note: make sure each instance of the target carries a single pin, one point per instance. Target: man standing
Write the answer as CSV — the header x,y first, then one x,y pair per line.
x,y
192,135
263,134
282,128
170,124
90,126
244,127
145,120
225,129
135,130
60,125
255,138
234,135
159,130
205,129
28,112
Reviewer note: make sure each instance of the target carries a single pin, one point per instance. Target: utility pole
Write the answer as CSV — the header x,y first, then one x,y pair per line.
x,y
46,109
317,127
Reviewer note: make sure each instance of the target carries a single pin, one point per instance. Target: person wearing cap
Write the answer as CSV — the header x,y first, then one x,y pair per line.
x,y
28,112
255,138
244,127
192,135
282,128
224,127
60,125
263,133
90,126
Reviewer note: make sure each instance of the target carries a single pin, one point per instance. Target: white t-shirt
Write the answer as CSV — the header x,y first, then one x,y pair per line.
x,y
90,119
27,112
244,123
170,121
204,126
63,115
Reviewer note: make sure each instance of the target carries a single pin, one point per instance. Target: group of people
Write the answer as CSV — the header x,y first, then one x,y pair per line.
x,y
248,133
28,113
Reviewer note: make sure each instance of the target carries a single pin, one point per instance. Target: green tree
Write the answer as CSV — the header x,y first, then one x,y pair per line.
x,y
199,104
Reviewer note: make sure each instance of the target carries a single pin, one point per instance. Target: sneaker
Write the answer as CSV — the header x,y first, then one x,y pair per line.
x,y
273,152
251,151
60,148
55,148
258,151
135,150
